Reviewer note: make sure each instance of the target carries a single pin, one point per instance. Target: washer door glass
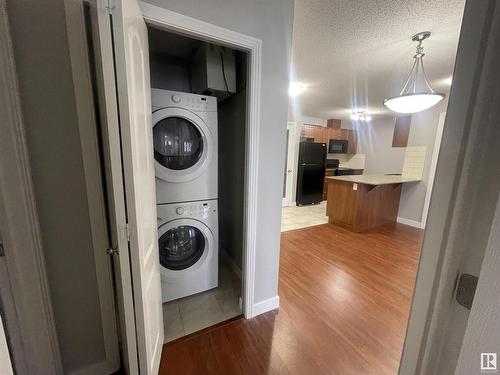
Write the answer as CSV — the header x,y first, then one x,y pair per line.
x,y
181,247
178,144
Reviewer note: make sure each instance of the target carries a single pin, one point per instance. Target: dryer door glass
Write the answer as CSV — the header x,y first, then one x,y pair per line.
x,y
181,247
178,143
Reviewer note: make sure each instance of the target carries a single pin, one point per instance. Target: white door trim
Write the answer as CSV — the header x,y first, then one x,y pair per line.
x,y
166,19
432,170
19,224
291,127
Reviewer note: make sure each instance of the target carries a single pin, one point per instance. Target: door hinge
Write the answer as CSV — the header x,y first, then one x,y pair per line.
x,y
466,289
113,251
127,231
110,6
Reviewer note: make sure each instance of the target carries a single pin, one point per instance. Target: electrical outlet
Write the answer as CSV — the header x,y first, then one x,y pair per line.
x,y
354,186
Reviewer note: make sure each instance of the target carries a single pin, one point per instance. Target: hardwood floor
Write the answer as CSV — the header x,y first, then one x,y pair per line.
x,y
344,304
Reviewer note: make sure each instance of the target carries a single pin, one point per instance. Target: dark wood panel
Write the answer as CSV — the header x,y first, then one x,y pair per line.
x,y
359,207
342,203
345,300
333,124
401,131
377,205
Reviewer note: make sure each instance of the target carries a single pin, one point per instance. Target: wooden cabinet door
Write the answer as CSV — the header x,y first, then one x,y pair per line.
x,y
308,131
320,135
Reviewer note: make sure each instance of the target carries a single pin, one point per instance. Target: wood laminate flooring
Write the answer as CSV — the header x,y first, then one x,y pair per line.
x,y
344,305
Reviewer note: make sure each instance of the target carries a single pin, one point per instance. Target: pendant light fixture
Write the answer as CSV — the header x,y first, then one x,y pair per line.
x,y
416,95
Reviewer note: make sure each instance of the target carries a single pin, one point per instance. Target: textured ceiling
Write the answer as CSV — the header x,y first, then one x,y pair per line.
x,y
354,54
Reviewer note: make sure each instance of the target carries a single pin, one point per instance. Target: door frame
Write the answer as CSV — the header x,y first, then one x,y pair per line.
x,y
192,27
291,127
467,143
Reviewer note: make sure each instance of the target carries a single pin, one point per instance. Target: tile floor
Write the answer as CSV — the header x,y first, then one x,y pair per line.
x,y
190,314
295,217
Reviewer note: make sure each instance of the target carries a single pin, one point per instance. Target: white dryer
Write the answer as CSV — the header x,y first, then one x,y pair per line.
x,y
188,245
185,146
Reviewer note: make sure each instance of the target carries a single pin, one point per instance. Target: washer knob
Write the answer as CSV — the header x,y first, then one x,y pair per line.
x,y
176,98
179,210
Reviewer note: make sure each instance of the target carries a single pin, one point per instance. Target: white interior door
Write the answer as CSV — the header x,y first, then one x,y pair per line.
x,y
289,164
141,315
134,98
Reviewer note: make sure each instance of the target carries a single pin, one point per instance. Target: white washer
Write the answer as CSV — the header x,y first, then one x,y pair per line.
x,y
185,146
188,245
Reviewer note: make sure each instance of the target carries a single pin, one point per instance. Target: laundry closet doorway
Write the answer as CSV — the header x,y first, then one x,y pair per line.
x,y
132,158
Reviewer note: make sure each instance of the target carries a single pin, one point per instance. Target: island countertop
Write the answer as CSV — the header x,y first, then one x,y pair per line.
x,y
374,179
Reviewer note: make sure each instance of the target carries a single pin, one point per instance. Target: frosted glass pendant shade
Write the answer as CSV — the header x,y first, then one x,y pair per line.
x,y
416,95
412,103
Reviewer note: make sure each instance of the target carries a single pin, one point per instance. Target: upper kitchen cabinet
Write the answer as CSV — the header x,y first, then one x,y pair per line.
x,y
332,131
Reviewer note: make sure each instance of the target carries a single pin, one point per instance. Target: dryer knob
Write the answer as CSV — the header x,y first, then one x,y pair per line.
x,y
179,210
176,98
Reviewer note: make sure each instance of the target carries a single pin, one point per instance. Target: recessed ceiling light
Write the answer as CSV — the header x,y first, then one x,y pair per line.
x,y
296,88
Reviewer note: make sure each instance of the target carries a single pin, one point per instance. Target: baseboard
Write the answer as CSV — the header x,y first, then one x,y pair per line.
x,y
266,305
226,258
411,223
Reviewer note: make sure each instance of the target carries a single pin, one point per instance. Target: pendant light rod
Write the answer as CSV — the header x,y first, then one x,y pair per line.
x,y
414,97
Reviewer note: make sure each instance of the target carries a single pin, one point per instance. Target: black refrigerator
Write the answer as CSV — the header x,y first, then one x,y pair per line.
x,y
311,173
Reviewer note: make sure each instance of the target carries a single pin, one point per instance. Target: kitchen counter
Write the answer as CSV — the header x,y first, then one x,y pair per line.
x,y
363,202
374,179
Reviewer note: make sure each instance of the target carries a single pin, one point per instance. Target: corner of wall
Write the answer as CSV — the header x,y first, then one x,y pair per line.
x,y
266,305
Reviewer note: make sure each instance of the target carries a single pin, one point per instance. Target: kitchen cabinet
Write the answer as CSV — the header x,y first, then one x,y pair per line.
x,y
328,172
401,131
359,203
332,131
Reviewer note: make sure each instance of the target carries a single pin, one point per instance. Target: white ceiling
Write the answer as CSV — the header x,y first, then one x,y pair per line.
x,y
354,54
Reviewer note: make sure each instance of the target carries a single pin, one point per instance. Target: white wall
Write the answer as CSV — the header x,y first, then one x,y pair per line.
x,y
422,133
272,22
375,141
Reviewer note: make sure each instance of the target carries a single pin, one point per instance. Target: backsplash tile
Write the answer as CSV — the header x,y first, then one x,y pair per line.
x,y
414,161
354,161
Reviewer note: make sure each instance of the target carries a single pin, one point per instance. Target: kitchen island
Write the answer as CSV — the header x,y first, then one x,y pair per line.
x,y
362,202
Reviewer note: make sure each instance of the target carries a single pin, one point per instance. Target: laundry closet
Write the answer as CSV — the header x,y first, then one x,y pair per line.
x,y
199,114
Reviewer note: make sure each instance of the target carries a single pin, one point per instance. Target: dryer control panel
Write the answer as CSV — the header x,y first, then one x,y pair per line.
x,y
194,102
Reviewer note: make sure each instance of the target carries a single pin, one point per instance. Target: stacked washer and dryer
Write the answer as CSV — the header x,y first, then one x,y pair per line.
x,y
186,168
